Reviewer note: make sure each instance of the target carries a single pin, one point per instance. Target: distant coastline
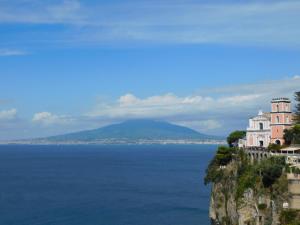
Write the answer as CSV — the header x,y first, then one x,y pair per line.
x,y
115,142
131,132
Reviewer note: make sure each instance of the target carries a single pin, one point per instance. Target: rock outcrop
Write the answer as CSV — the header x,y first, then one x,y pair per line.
x,y
242,194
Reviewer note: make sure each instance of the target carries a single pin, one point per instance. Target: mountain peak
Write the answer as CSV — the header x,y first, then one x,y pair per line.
x,y
133,130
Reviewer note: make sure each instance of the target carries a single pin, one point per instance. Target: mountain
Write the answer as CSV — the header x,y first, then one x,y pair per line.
x,y
133,130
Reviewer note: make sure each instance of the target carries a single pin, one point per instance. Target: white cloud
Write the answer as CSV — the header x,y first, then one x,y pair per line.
x,y
168,105
47,118
239,99
8,114
128,99
215,110
11,52
230,107
202,125
296,77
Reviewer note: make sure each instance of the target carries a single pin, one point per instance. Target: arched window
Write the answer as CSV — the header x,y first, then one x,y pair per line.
x,y
277,107
261,126
261,144
286,107
277,119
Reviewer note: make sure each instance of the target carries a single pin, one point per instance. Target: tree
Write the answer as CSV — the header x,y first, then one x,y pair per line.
x,y
224,155
288,136
234,137
297,113
289,217
296,132
292,136
271,170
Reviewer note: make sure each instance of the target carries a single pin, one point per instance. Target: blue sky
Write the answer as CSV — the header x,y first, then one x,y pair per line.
x,y
68,65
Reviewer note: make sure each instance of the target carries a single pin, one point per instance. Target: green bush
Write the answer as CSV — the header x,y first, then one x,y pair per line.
x,y
213,173
289,217
246,179
271,170
273,147
234,137
294,170
292,136
297,111
262,206
223,156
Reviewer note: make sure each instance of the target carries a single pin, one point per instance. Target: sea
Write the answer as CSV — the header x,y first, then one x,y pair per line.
x,y
104,184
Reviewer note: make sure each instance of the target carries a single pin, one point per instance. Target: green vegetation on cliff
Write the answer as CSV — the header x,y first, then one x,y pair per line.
x,y
246,189
241,186
261,174
223,157
234,137
290,217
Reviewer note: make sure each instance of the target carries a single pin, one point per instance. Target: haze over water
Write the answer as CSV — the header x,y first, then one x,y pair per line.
x,y
104,185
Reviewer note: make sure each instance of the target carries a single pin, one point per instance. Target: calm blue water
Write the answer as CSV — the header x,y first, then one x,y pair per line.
x,y
104,185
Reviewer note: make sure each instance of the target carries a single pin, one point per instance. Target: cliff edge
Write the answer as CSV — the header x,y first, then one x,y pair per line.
x,y
248,192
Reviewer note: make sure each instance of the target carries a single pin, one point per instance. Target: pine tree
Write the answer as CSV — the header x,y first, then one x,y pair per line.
x,y
297,112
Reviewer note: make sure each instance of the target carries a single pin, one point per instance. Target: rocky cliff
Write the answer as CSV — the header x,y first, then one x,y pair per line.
x,y
248,193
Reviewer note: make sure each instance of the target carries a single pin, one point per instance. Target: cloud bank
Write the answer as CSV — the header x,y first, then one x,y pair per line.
x,y
47,118
6,115
215,111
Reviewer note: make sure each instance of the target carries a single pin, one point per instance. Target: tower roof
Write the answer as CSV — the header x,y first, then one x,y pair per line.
x,y
281,99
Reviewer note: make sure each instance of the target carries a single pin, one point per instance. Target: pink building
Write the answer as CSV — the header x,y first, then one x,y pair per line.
x,y
266,128
281,119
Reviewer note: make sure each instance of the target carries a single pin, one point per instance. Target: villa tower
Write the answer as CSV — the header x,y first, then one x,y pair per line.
x,y
281,119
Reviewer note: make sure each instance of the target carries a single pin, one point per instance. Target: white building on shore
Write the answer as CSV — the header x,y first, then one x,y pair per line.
x,y
259,130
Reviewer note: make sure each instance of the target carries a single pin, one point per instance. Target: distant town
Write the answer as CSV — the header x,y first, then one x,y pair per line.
x,y
119,142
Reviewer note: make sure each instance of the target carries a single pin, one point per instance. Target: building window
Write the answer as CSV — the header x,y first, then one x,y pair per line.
x,y
277,119
286,108
287,119
261,126
277,107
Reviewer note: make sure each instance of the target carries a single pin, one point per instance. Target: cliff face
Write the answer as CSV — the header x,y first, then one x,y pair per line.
x,y
245,193
253,208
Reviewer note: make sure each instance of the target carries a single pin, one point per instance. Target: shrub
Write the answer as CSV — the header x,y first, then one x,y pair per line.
x,y
294,170
297,99
213,173
246,179
224,155
234,137
273,146
271,170
292,136
289,217
262,206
